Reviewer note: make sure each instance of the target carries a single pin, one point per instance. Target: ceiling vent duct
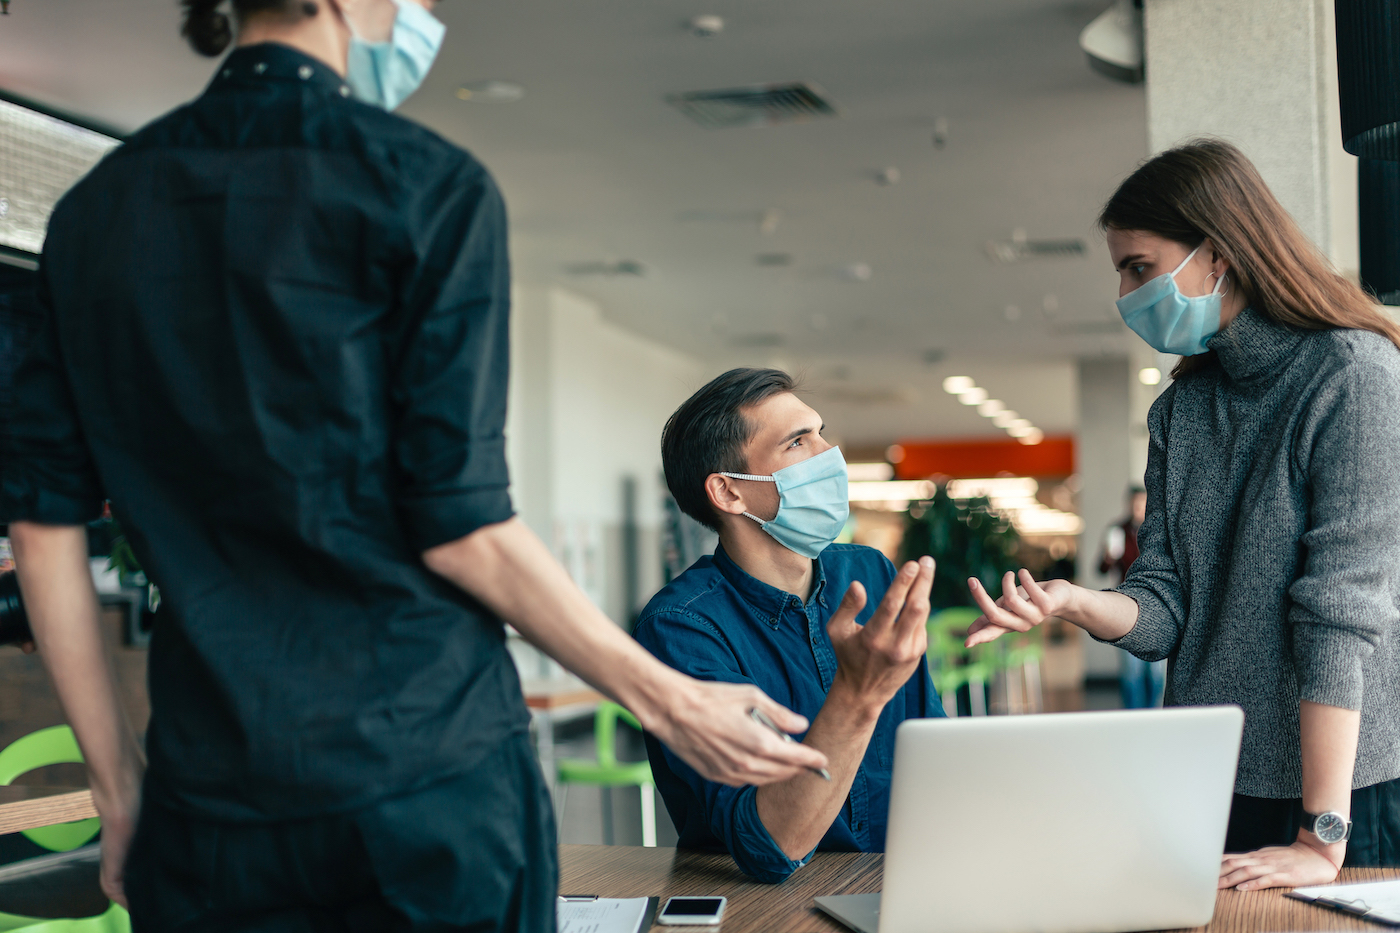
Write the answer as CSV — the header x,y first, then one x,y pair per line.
x,y
1019,248
610,269
757,105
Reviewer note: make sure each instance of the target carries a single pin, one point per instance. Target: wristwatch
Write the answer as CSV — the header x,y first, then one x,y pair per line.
x,y
1331,827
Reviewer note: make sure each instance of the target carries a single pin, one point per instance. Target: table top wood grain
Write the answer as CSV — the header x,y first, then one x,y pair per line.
x,y
633,871
25,807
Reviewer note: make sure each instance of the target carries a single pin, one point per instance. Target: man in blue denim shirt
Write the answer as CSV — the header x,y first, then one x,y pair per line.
x,y
781,607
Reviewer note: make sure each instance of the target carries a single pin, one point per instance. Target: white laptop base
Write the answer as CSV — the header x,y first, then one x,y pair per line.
x,y
1064,823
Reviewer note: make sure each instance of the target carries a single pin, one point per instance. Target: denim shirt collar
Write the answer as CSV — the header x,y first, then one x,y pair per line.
x,y
768,600
273,61
1252,346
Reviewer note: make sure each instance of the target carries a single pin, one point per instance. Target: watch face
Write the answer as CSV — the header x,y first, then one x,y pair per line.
x,y
1330,827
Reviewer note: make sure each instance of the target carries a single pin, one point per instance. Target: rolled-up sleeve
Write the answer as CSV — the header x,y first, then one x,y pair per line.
x,y
46,470
1344,602
450,383
731,813
1153,582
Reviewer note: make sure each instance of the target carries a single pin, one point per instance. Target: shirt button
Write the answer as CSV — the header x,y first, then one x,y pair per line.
x,y
304,72
260,67
228,72
345,90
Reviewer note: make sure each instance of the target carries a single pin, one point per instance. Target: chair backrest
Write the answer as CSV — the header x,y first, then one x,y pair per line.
x,y
605,730
55,745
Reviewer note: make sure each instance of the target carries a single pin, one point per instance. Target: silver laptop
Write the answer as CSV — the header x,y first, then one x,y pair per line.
x,y
1064,823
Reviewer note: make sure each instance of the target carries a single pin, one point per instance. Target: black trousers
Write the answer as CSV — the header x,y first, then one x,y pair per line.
x,y
474,852
1256,822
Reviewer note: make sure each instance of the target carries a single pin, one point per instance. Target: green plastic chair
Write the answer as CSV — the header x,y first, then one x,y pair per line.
x,y
55,745
607,771
113,920
952,666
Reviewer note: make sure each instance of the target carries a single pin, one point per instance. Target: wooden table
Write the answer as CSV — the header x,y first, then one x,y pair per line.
x,y
27,807
632,871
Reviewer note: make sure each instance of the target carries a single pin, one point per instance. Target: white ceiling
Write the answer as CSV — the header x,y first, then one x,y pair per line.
x,y
596,166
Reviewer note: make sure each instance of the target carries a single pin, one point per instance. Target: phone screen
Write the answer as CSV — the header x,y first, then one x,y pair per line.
x,y
691,907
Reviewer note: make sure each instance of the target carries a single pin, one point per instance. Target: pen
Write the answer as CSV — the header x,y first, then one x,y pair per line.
x,y
760,717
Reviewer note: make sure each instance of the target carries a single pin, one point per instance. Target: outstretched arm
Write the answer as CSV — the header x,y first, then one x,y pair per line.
x,y
52,563
1104,614
507,568
873,662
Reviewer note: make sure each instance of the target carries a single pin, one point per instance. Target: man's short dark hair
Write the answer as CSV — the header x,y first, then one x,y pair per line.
x,y
708,432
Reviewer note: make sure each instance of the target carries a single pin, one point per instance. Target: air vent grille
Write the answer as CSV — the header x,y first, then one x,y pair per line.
x,y
757,105
1018,249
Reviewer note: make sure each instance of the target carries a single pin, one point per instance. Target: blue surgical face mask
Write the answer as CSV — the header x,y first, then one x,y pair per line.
x,y
386,73
1168,320
813,502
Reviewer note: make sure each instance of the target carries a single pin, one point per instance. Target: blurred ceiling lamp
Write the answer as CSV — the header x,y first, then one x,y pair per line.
x,y
869,472
955,385
1368,77
1150,376
1113,42
893,491
1005,418
1032,436
1045,521
894,453
973,396
997,487
991,407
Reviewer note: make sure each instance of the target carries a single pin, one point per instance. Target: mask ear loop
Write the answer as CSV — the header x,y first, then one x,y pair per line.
x,y
757,478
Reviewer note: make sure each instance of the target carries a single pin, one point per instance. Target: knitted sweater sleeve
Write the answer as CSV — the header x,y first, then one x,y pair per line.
x,y
1343,604
1153,581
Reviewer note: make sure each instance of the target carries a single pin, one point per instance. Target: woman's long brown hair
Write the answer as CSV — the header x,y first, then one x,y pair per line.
x,y
1207,188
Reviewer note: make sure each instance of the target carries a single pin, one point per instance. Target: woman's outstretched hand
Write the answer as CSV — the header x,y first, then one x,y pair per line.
x,y
1020,608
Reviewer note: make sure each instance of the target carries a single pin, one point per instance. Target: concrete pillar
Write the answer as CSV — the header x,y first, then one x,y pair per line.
x,y
1263,75
1105,451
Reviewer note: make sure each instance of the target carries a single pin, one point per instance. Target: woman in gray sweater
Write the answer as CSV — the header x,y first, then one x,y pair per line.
x,y
1269,573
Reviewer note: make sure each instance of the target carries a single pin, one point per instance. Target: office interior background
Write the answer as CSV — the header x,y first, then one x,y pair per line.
x,y
893,199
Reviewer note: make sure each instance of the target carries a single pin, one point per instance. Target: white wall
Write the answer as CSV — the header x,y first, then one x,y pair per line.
x,y
1263,75
587,404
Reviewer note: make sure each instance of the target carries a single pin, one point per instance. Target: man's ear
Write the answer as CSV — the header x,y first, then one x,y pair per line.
x,y
724,495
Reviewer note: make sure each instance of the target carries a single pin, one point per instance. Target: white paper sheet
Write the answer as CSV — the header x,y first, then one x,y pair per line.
x,y
1374,900
601,915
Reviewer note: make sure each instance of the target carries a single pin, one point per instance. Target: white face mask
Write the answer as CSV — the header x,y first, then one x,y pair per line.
x,y
386,73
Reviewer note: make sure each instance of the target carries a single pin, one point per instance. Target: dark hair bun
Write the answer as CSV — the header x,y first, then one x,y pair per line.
x,y
207,29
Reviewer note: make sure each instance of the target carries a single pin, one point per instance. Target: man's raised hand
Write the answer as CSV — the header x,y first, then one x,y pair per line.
x,y
875,660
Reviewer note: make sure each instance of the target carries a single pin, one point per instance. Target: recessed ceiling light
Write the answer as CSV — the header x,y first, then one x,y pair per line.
x,y
1150,376
1032,436
991,407
1004,419
973,396
955,385
1018,431
1020,424
491,92
706,26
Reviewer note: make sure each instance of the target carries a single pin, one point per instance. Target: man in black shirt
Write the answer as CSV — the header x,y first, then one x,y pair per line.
x,y
274,335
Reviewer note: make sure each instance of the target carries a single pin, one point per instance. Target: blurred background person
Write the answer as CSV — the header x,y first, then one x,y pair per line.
x,y
1141,682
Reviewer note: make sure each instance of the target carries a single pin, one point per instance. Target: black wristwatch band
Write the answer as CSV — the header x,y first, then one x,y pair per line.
x,y
1310,825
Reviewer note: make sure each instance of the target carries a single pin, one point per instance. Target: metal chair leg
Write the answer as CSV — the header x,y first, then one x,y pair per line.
x,y
648,815
559,810
1035,698
977,697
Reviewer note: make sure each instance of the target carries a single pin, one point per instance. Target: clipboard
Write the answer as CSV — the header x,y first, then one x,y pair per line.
x,y
1374,901
589,913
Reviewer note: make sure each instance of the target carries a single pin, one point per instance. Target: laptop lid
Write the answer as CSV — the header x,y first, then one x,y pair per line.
x,y
1061,823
